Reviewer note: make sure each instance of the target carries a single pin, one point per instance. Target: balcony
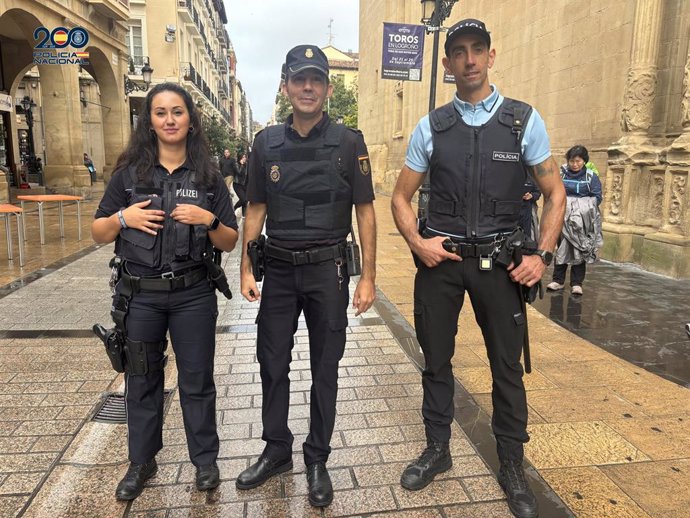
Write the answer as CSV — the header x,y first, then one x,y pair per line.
x,y
223,65
116,9
185,9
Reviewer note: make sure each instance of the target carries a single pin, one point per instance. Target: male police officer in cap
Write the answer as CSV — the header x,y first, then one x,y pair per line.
x,y
304,177
478,150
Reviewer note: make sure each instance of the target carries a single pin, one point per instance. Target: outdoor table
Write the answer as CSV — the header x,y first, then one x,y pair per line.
x,y
7,210
40,199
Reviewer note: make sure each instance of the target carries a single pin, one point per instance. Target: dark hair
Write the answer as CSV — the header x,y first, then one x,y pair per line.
x,y
577,150
142,150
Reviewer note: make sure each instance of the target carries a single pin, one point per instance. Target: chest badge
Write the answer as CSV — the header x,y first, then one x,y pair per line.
x,y
364,165
275,173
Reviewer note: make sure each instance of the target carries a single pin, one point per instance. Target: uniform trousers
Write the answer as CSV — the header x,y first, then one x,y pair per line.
x,y
438,298
287,291
190,315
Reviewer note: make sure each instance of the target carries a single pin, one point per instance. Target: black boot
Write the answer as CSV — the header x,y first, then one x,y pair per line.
x,y
132,483
434,459
207,477
261,471
320,486
521,499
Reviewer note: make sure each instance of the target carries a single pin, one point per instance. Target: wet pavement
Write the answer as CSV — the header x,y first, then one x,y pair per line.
x,y
609,439
636,315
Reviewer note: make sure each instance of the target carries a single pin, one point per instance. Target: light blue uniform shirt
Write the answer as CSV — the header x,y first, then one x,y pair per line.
x,y
535,142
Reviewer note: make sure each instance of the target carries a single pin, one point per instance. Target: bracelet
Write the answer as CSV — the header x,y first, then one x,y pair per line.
x,y
121,217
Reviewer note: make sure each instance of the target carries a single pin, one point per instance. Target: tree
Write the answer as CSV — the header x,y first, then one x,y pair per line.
x,y
342,104
219,137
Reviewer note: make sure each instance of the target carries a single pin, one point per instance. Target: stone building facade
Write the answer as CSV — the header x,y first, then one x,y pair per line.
x,y
61,105
614,76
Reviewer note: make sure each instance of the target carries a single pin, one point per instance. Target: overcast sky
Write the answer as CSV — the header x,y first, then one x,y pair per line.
x,y
262,31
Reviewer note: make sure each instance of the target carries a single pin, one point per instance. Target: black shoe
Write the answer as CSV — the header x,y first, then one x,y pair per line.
x,y
132,483
261,471
434,459
207,477
521,499
320,486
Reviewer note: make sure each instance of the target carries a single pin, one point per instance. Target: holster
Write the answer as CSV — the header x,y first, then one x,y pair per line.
x,y
352,258
216,274
114,345
256,251
138,363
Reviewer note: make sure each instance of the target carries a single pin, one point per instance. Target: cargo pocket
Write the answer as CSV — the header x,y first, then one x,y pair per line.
x,y
335,347
420,328
139,247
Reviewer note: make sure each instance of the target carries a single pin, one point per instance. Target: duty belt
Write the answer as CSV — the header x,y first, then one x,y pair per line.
x,y
474,248
309,256
168,281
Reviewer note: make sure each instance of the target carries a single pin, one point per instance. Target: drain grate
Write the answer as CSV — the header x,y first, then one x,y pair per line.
x,y
112,410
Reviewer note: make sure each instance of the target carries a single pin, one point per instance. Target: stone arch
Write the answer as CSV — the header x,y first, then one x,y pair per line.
x,y
113,110
64,170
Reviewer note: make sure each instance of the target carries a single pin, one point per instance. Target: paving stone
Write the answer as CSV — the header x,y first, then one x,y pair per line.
x,y
441,492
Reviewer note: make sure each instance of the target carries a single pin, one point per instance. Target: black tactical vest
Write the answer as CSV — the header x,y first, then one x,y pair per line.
x,y
308,190
476,173
177,245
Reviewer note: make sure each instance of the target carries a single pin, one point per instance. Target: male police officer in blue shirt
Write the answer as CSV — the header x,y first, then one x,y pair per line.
x,y
304,178
477,149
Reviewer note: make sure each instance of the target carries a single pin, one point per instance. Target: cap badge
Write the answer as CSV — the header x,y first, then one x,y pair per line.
x,y
309,53
275,173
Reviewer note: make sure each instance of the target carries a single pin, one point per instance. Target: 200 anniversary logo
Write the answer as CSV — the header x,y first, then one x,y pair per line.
x,y
48,50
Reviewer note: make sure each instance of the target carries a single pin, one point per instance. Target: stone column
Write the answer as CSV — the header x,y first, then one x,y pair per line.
x,y
640,88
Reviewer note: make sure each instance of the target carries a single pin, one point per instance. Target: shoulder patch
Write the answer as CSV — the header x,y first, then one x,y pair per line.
x,y
364,164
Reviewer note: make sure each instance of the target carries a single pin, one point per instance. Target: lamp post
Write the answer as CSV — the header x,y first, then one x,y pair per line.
x,y
434,12
146,72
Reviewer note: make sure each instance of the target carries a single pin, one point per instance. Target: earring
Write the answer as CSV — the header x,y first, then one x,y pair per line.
x,y
191,129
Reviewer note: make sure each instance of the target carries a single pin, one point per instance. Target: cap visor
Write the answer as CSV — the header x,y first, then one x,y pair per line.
x,y
307,66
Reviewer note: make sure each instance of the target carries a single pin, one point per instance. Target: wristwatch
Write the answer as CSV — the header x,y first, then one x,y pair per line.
x,y
545,255
214,224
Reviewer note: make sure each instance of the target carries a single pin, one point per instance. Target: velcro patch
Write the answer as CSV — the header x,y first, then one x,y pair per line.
x,y
506,156
364,164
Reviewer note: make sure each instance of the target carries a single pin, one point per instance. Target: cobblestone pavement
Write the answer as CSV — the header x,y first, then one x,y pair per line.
x,y
608,438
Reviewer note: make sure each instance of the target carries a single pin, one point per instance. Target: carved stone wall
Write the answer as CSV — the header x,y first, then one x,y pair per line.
x,y
613,76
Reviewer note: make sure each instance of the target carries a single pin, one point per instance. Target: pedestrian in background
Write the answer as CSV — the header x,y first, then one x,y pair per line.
x,y
165,207
529,218
304,178
240,183
581,237
228,169
476,149
91,168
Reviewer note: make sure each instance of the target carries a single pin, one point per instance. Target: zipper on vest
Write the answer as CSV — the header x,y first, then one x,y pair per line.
x,y
169,228
473,195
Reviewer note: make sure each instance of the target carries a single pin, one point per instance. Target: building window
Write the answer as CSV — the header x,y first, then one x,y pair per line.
x,y
135,43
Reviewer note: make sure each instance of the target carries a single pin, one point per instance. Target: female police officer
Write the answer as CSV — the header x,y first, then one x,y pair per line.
x,y
164,207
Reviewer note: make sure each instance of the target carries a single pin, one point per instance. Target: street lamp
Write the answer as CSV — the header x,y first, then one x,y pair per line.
x,y
146,72
434,12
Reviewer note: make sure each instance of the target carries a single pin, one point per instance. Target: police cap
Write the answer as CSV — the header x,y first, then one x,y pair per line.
x,y
304,57
467,26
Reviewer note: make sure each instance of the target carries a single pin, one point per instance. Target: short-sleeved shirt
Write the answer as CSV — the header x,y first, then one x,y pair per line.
x,y
353,149
115,196
535,142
